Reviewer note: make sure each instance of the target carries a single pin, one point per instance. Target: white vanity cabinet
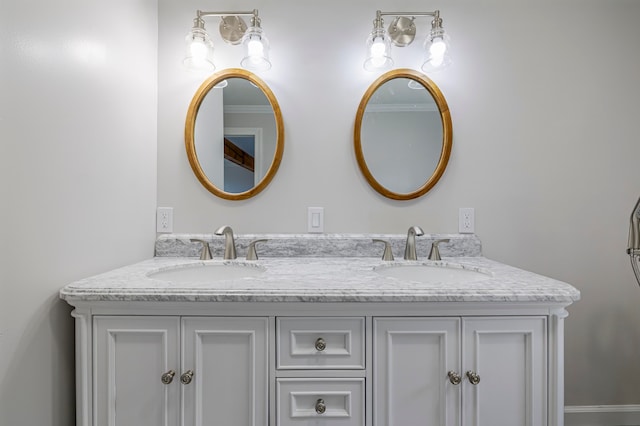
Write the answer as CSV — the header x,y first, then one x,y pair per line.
x,y
325,341
460,371
172,370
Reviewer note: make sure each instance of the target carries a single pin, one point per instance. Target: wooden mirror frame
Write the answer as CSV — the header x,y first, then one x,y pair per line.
x,y
447,133
189,132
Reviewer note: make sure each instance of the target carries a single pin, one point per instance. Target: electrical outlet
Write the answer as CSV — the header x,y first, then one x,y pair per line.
x,y
466,220
315,220
164,219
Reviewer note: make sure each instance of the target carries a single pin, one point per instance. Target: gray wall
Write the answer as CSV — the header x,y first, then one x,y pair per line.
x,y
78,119
544,103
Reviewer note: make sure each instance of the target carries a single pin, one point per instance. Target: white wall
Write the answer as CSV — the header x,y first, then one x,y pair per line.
x,y
544,103
78,87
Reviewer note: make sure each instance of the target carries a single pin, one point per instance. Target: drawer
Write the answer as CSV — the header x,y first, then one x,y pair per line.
x,y
320,343
334,402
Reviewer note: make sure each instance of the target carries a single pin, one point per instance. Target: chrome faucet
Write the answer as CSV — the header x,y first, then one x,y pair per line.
x,y
229,242
410,248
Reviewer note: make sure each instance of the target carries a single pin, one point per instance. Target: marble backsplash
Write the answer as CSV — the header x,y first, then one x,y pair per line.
x,y
318,245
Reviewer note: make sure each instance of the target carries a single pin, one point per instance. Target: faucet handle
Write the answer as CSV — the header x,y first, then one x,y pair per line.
x,y
252,254
434,254
388,253
205,254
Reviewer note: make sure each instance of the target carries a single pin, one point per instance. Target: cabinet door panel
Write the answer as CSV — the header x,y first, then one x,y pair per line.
x,y
229,359
509,355
412,358
131,354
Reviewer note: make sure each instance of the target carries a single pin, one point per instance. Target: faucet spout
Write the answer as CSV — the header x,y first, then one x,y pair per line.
x,y
229,242
410,247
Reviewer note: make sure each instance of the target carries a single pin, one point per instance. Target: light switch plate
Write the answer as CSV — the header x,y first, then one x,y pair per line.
x,y
315,220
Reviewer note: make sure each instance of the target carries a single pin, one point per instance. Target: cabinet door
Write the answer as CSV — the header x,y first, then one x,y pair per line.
x,y
412,357
130,356
509,357
228,357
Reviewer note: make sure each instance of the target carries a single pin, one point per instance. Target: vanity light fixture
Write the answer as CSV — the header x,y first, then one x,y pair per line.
x,y
401,33
234,30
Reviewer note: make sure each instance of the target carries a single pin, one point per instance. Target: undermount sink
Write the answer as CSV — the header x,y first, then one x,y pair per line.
x,y
448,274
203,273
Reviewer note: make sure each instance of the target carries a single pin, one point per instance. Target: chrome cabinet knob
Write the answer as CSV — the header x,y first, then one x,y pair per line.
x,y
168,377
473,377
186,378
320,344
454,377
321,407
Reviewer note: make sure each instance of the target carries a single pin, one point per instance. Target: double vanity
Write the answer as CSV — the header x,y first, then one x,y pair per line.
x,y
319,331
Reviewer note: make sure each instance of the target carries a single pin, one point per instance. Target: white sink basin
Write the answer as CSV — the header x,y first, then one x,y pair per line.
x,y
202,273
433,273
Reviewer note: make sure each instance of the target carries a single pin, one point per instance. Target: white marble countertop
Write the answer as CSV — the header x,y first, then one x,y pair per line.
x,y
321,279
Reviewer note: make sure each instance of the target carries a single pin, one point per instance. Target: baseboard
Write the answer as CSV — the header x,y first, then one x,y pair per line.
x,y
602,415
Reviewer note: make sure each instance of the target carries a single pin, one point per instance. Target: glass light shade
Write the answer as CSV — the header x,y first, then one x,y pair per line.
x,y
378,51
437,52
256,47
199,51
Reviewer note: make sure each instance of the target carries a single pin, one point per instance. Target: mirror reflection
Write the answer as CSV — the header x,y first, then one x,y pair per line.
x,y
234,135
403,134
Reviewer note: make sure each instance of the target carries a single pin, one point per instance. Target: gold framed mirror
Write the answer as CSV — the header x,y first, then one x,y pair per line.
x,y
234,134
403,134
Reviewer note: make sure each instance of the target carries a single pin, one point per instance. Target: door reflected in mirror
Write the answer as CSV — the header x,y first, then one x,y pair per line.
x,y
234,134
402,134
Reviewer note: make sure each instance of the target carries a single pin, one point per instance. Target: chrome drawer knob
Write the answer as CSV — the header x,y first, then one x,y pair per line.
x,y
168,377
473,377
454,378
186,378
320,406
320,345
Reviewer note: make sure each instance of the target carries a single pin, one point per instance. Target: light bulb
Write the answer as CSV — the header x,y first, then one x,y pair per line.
x,y
436,61
438,47
255,50
378,52
198,49
377,48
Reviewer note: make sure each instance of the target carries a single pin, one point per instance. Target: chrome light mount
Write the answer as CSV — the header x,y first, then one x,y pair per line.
x,y
402,31
232,28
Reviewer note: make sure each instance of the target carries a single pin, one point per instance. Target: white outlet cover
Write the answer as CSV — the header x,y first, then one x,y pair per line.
x,y
164,219
466,220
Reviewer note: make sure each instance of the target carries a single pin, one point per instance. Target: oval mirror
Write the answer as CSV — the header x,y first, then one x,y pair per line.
x,y
234,134
403,134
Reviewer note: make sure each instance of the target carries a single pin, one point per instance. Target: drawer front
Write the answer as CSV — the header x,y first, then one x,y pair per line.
x,y
320,343
331,402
